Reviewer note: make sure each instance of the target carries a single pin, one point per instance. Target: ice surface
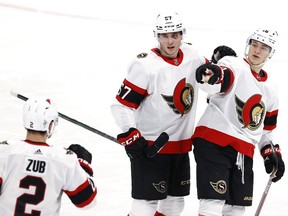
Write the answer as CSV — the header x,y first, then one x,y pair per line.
x,y
76,52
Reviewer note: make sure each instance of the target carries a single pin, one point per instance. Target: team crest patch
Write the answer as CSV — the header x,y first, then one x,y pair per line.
x,y
182,99
142,55
161,186
250,113
219,187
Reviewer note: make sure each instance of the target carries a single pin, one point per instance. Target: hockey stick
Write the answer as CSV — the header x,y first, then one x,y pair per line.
x,y
272,175
151,151
74,121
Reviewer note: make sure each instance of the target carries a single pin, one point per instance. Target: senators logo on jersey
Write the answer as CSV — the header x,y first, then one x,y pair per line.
x,y
250,113
182,99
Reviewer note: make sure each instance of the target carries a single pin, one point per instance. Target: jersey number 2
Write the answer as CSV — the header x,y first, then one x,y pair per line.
x,y
33,199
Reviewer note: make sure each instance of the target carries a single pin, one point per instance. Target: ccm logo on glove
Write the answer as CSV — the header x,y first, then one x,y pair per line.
x,y
129,137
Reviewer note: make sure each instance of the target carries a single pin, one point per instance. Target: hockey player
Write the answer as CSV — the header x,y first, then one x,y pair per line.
x,y
159,94
242,112
34,175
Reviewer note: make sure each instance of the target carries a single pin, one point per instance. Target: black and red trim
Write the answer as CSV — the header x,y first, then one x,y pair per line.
x,y
223,139
175,147
131,95
228,79
270,121
1,181
83,195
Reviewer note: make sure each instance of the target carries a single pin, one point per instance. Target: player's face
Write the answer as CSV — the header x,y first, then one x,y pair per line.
x,y
170,43
258,52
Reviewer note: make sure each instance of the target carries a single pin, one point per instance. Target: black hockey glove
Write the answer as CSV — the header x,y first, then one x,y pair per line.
x,y
133,142
211,72
136,145
271,161
84,157
222,51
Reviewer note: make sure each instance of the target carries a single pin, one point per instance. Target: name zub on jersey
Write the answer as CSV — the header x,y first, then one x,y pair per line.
x,y
35,165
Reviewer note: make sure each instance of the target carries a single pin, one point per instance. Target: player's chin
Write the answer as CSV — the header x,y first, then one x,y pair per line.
x,y
172,51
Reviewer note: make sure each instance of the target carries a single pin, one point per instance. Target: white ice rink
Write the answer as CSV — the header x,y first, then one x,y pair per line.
x,y
76,52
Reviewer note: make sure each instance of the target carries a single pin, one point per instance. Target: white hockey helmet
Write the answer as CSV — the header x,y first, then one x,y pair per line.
x,y
38,114
268,37
168,22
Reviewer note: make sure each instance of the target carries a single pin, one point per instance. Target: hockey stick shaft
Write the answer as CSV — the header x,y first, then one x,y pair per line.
x,y
151,151
74,121
267,188
263,198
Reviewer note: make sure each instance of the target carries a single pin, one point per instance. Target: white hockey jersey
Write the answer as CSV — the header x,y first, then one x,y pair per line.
x,y
160,94
33,177
244,114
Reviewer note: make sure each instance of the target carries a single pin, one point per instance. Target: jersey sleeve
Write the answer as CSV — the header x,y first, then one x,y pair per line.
x,y
79,188
134,87
130,95
270,121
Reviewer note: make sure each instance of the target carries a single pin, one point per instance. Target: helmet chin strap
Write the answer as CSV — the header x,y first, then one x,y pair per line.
x,y
256,65
51,129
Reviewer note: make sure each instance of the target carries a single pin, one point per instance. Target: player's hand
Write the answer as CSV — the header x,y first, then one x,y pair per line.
x,y
133,142
84,157
209,73
136,145
221,51
271,161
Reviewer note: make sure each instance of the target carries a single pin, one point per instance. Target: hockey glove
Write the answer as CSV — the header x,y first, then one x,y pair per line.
x,y
222,51
133,142
209,73
136,145
271,161
84,157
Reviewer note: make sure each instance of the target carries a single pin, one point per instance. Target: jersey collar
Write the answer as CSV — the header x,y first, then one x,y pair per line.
x,y
36,143
173,61
262,76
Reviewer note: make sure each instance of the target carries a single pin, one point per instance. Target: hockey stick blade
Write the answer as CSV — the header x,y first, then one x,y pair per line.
x,y
158,144
74,121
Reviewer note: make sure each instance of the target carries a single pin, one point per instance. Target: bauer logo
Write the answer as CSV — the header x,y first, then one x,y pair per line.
x,y
248,198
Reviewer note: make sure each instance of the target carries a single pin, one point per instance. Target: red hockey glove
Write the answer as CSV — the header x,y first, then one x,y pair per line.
x,y
136,145
209,73
221,51
84,157
272,161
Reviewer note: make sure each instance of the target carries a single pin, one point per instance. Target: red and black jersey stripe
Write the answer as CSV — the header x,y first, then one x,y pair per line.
x,y
131,95
270,120
227,81
83,195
